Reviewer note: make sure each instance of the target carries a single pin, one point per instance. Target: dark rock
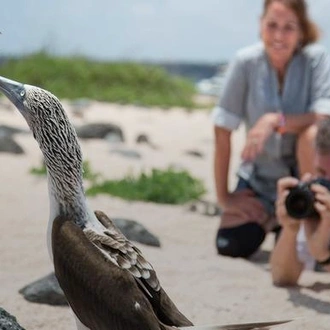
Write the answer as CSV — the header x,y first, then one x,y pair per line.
x,y
195,153
142,138
113,138
45,291
8,322
136,232
9,131
126,153
7,144
99,131
205,207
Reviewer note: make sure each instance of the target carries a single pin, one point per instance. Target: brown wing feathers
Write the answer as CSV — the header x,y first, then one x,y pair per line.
x,y
100,293
163,306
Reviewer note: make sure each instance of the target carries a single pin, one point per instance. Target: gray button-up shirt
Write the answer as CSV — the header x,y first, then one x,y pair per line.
x,y
251,89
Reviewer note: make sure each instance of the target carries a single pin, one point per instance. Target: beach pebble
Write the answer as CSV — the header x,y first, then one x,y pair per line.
x,y
46,290
8,321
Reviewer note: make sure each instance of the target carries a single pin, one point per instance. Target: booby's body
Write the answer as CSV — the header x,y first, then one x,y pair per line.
x,y
106,280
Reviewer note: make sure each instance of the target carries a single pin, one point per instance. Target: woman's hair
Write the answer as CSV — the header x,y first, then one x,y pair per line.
x,y
322,139
310,30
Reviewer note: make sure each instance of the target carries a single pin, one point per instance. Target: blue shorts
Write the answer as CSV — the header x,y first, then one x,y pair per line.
x,y
268,204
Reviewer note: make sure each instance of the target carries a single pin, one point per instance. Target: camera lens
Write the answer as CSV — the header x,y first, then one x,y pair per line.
x,y
300,203
300,200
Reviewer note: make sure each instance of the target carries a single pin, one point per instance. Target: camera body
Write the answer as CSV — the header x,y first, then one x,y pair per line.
x,y
300,201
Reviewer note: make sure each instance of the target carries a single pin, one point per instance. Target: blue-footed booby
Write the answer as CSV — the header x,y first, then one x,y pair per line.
x,y
106,280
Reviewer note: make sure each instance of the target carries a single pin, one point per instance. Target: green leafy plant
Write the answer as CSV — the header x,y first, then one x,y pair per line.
x,y
41,170
160,186
168,186
119,82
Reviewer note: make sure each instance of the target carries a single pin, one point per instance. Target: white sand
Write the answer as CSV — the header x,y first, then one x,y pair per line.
x,y
206,287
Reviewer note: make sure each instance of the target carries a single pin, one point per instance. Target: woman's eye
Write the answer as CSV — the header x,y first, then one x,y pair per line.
x,y
272,26
290,28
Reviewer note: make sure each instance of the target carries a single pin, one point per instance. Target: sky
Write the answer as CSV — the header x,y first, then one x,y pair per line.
x,y
139,30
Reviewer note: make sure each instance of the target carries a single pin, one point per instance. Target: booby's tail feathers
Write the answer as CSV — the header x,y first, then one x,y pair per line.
x,y
242,326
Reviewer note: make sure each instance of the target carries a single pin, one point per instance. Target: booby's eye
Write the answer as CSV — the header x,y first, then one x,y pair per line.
x,y
22,93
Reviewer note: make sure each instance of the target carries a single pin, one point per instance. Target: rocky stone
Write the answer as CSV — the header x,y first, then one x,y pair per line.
x,y
194,153
127,153
8,321
113,138
99,131
205,207
44,291
8,144
144,139
134,231
6,130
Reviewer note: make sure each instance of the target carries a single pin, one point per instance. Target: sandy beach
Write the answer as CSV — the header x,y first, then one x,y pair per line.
x,y
207,288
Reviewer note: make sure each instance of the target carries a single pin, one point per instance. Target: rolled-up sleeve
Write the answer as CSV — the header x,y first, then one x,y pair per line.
x,y
320,84
230,110
224,118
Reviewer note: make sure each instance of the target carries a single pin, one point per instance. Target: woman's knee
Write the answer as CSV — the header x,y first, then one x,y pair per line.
x,y
241,241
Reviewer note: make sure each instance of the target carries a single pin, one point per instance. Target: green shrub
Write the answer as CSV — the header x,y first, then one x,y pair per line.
x,y
42,170
120,82
161,186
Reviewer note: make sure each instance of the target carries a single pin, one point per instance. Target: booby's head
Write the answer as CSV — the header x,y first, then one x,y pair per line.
x,y
44,114
54,133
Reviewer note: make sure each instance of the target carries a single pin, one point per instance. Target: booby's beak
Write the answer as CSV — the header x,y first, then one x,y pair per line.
x,y
14,90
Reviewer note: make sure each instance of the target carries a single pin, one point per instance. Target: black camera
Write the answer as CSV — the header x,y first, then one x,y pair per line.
x,y
300,201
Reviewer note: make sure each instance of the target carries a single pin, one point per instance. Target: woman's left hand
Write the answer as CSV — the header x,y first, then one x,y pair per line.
x,y
258,135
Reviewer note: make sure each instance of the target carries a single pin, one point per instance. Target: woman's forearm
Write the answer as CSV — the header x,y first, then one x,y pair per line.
x,y
285,265
297,123
221,163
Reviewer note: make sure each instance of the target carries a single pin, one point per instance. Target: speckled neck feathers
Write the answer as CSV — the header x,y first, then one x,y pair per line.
x,y
58,142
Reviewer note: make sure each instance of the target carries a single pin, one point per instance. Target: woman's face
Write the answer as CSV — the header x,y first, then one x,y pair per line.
x,y
281,33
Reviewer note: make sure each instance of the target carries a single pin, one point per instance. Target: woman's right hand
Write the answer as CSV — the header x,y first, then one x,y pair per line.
x,y
242,206
258,135
283,189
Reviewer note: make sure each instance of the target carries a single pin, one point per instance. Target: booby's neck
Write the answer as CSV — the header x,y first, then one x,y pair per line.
x,y
66,194
67,198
